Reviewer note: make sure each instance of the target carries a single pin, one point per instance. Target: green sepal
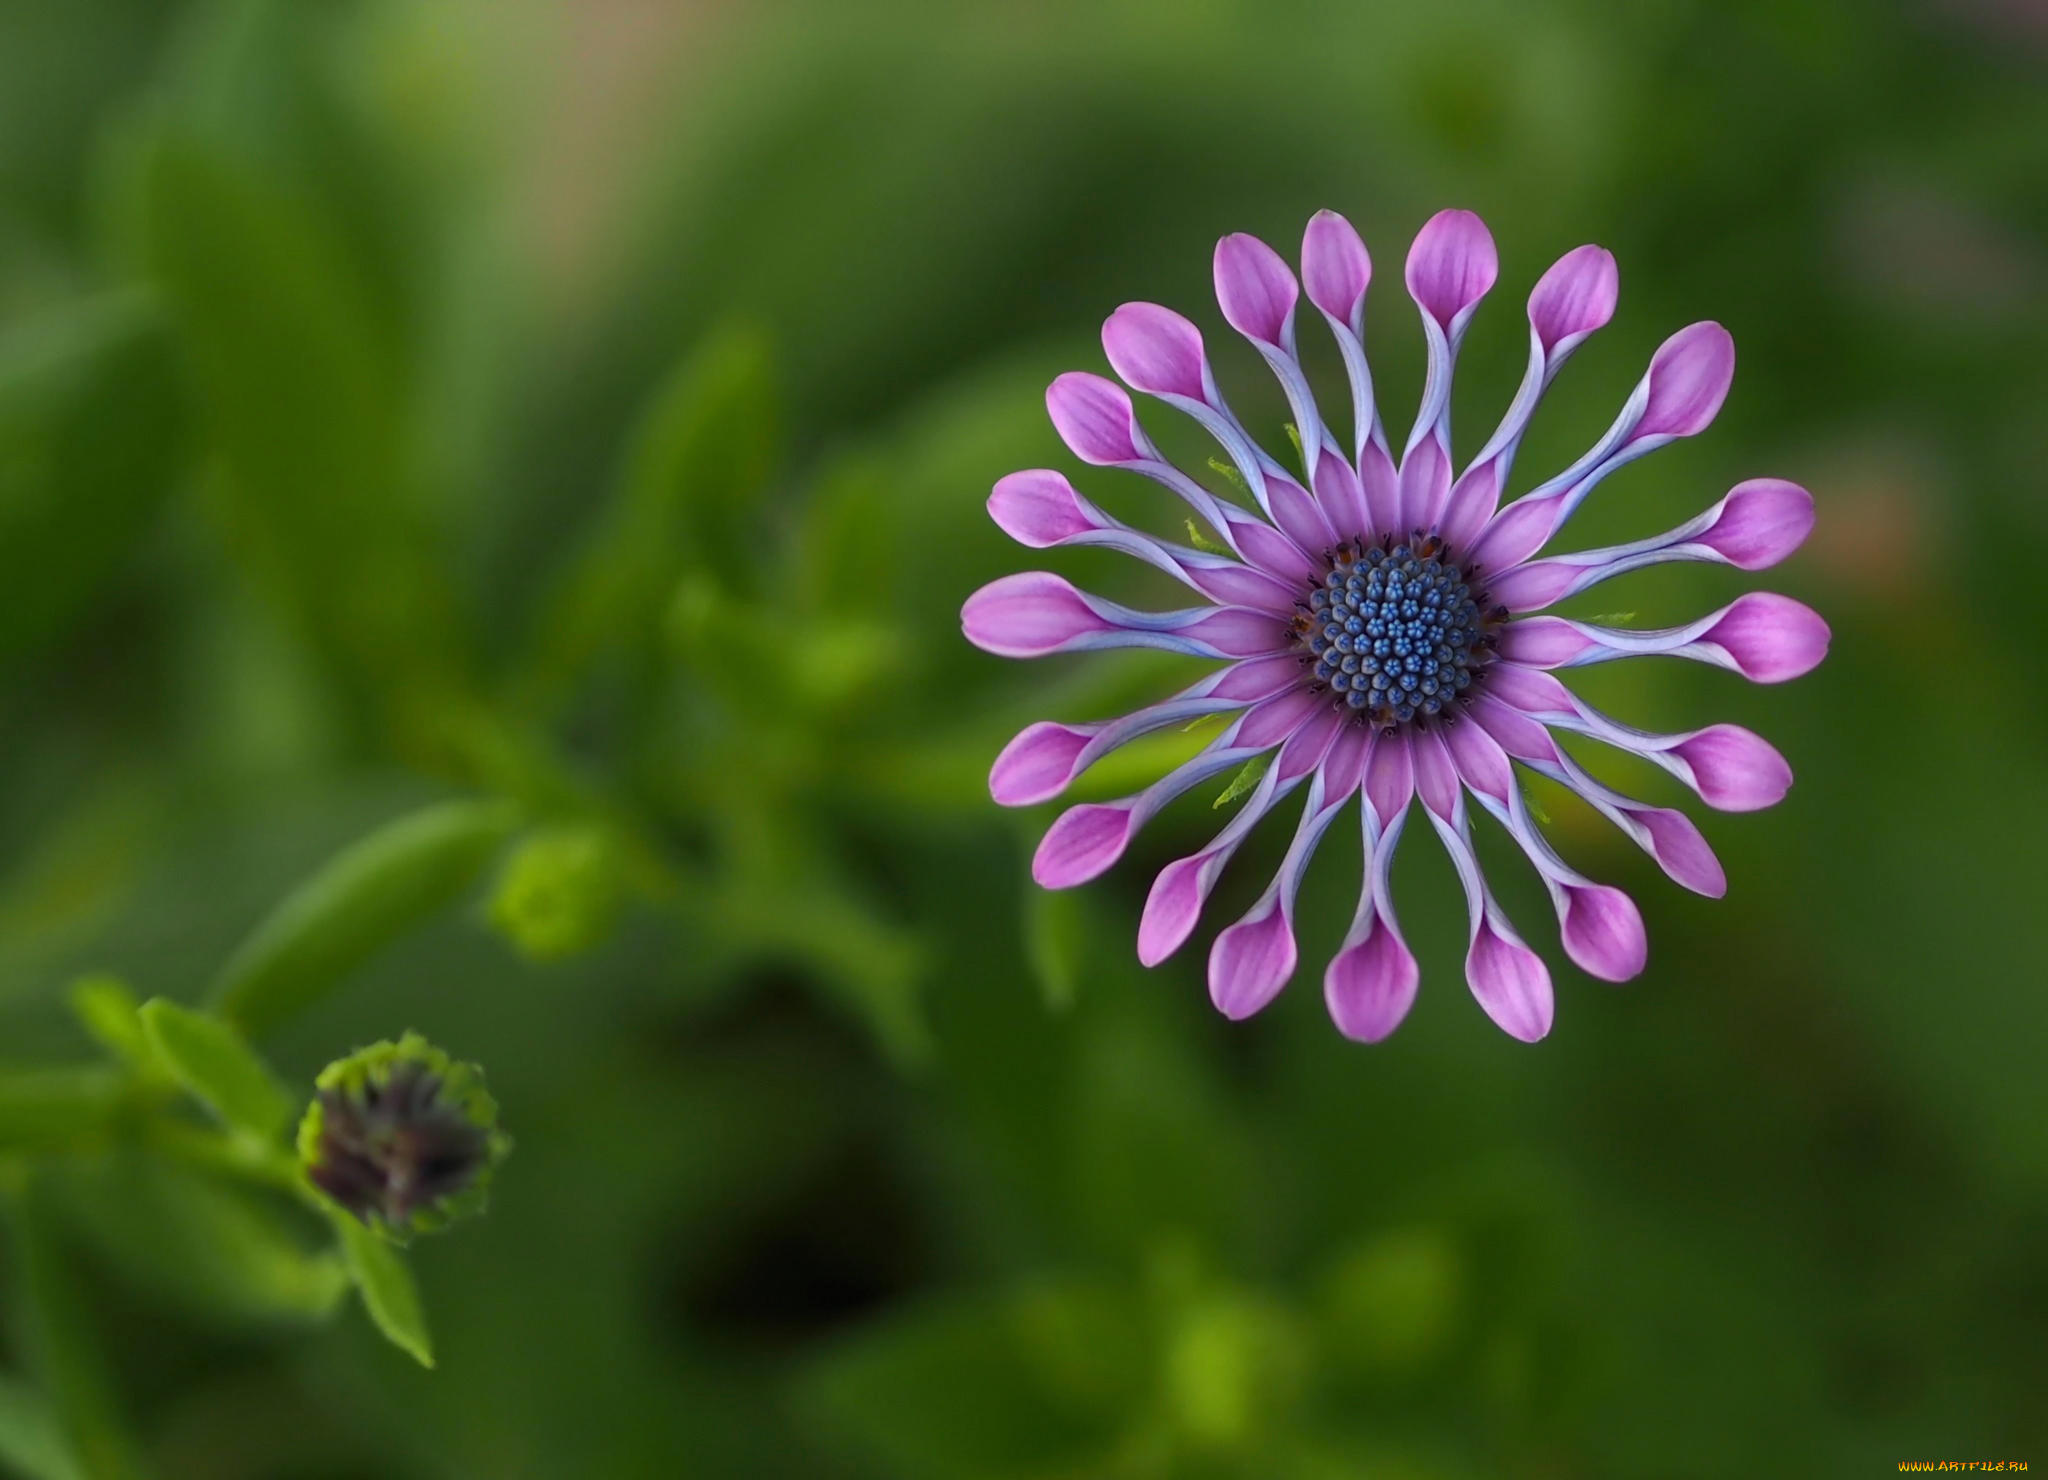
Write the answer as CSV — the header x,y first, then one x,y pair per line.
x,y
389,1292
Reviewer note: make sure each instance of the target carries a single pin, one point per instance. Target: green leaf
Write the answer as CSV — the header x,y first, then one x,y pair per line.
x,y
61,1343
1247,777
367,897
219,1252
45,1108
983,1388
1056,942
686,502
108,1010
32,1443
211,1060
389,1294
303,385
74,501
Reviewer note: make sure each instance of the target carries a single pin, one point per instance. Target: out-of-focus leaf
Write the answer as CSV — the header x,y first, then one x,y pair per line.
x,y
64,886
32,1444
1393,1304
389,1294
364,899
957,1390
91,439
107,1009
47,1107
219,1253
61,1341
1056,935
304,400
214,1064
687,501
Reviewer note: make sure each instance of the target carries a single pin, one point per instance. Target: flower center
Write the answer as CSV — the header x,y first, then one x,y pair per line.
x,y
1396,633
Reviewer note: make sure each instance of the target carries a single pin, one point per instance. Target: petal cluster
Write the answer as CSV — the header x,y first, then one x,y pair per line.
x,y
1263,574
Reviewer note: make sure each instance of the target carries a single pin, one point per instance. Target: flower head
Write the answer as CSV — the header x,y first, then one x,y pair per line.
x,y
403,1137
1377,622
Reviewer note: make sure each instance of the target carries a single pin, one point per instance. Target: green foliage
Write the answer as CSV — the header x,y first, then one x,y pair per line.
x,y
213,1063
378,889
387,1288
41,1108
31,1443
75,502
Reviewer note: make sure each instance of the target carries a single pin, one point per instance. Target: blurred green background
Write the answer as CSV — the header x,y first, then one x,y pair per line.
x,y
592,403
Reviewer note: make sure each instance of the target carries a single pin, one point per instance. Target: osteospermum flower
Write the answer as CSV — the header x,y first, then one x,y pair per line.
x,y
1378,623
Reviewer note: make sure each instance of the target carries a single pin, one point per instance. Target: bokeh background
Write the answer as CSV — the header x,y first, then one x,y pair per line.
x,y
592,402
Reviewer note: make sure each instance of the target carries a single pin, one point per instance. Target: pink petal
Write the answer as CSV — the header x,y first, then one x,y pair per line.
x,y
1481,762
1038,508
1472,502
1039,763
1681,851
1516,533
1298,514
1094,417
1239,633
1516,733
1452,265
1737,769
1335,267
1155,350
1389,775
1544,642
1084,842
1369,987
1250,963
1527,690
1260,678
1380,486
1575,297
1027,615
1761,522
1689,378
1255,289
1772,638
1529,588
1511,983
1174,906
1425,483
1603,932
1436,775
1337,490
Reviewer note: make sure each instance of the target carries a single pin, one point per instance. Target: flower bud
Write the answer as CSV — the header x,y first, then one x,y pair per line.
x,y
560,892
402,1137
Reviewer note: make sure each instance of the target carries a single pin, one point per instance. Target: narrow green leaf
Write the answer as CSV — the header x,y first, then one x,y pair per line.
x,y
224,1254
61,1342
1294,437
389,1294
45,1108
108,1010
74,501
302,382
211,1060
32,1443
367,897
1247,777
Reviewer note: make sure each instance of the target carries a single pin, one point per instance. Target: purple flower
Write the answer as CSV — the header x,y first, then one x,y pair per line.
x,y
1377,623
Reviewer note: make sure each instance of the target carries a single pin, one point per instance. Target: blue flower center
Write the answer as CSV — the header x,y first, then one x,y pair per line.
x,y
1396,634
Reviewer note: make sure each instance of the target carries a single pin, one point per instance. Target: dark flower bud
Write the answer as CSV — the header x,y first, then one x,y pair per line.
x,y
402,1137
